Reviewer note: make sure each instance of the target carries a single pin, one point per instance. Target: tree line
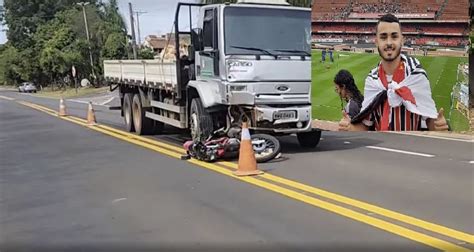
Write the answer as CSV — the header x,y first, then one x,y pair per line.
x,y
46,38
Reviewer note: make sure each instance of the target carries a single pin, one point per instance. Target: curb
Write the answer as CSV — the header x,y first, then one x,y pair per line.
x,y
333,126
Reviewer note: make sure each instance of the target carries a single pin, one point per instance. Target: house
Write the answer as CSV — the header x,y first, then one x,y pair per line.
x,y
157,43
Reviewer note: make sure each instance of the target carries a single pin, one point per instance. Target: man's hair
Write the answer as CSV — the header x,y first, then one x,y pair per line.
x,y
389,18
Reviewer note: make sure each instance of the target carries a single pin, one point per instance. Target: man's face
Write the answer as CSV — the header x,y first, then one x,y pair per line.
x,y
389,40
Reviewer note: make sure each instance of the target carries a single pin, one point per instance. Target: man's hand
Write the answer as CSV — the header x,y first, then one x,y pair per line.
x,y
438,124
346,125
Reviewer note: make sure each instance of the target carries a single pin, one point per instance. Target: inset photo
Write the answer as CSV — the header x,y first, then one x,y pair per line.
x,y
398,65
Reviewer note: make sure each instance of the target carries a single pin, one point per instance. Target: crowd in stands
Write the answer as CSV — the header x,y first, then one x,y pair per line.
x,y
381,7
441,41
424,32
419,28
341,9
350,37
410,39
352,27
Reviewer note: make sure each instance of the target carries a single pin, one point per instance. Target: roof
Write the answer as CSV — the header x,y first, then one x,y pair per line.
x,y
158,42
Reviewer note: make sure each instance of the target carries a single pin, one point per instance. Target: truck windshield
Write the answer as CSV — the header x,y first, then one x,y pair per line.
x,y
251,30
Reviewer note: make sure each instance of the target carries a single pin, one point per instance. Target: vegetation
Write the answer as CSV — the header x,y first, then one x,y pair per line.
x,y
47,38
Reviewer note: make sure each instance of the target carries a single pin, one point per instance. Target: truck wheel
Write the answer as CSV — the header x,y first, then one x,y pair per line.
x,y
309,139
143,125
127,112
200,121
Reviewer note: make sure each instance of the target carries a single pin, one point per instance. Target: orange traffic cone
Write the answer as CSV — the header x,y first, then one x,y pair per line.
x,y
247,162
91,115
62,108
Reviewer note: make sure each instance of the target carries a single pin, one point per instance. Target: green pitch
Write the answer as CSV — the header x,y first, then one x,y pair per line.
x,y
327,104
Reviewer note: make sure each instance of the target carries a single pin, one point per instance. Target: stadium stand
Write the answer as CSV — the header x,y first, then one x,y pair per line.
x,y
424,22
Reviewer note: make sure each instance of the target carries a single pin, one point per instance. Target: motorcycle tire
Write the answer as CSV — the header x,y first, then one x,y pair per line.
x,y
271,149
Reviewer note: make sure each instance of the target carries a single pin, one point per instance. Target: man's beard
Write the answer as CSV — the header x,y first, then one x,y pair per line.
x,y
395,53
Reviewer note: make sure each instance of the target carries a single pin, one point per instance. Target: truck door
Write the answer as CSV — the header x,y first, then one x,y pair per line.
x,y
210,54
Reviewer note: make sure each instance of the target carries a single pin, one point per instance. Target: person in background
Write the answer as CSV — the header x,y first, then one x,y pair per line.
x,y
347,90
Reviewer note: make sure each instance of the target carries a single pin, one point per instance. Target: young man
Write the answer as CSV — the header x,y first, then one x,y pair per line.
x,y
397,93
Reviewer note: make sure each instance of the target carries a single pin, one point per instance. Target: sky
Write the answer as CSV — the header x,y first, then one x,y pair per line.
x,y
158,18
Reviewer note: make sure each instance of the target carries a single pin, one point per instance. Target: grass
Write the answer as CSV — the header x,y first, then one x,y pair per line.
x,y
458,121
327,104
8,86
70,92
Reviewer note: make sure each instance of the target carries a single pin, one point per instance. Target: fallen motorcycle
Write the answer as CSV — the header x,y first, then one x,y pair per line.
x,y
219,145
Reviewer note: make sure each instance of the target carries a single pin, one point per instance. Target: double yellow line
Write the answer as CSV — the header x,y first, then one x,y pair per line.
x,y
299,191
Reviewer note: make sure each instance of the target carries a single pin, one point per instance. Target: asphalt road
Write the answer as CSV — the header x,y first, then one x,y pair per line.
x,y
67,187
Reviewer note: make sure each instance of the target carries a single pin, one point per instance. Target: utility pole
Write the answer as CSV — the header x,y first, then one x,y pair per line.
x,y
138,26
84,4
134,44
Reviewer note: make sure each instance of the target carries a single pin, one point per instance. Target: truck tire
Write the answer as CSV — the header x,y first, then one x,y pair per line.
x,y
309,139
127,112
143,125
200,121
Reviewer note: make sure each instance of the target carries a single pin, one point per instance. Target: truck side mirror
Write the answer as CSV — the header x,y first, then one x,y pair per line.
x,y
196,38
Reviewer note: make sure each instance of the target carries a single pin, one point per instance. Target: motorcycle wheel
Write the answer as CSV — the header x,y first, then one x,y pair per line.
x,y
268,149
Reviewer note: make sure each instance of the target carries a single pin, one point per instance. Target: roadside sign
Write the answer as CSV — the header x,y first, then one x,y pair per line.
x,y
73,70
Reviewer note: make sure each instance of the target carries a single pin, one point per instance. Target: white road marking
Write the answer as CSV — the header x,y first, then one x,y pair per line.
x,y
77,101
347,142
107,101
400,151
85,102
117,200
6,98
436,137
471,162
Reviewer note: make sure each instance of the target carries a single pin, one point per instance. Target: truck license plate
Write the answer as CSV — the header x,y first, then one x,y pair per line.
x,y
284,115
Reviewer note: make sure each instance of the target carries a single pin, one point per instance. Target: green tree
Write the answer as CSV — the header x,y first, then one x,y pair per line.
x,y
47,37
10,61
146,53
24,16
115,46
61,51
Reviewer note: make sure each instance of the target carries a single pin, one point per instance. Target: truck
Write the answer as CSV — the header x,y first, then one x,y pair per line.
x,y
248,61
